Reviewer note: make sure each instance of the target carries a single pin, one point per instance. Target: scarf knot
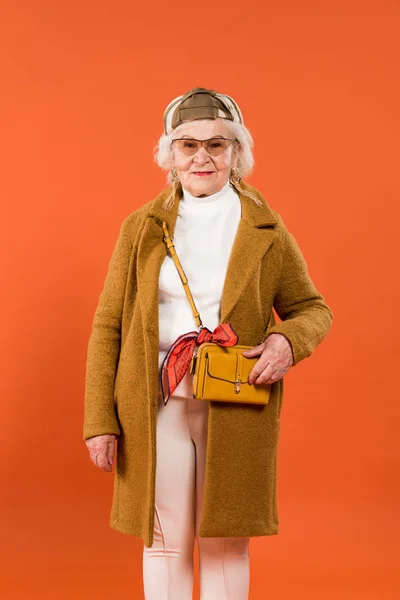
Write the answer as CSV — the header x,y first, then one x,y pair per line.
x,y
179,356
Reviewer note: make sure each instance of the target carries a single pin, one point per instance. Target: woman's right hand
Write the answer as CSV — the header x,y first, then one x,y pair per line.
x,y
101,449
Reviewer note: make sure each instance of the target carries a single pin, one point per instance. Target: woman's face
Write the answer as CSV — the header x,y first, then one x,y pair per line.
x,y
215,169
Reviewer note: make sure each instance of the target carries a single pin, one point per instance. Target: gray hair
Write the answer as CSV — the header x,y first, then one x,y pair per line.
x,y
163,152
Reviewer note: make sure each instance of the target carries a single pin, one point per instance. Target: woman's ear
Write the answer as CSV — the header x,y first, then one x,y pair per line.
x,y
235,154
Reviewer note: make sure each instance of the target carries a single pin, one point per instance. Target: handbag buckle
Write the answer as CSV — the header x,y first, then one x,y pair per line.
x,y
238,385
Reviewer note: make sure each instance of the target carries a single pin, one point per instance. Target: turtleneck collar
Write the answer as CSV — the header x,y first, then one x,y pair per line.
x,y
224,193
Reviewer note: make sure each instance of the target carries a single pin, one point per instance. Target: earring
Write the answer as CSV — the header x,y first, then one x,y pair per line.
x,y
174,175
169,202
235,179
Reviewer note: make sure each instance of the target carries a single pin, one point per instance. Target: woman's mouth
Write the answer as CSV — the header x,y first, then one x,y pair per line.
x,y
202,173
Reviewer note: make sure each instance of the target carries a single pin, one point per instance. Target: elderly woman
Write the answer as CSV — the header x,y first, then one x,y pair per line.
x,y
188,469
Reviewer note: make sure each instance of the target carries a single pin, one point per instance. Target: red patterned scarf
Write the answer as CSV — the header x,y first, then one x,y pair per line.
x,y
179,356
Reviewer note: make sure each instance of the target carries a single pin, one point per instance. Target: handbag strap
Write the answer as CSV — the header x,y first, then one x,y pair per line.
x,y
170,246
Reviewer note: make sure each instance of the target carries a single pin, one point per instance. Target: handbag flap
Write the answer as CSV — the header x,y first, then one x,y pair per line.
x,y
222,364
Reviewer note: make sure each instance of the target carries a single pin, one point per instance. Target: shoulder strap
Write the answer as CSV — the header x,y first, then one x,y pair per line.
x,y
171,248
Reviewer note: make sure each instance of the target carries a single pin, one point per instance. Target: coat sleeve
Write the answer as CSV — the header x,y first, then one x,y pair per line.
x,y
104,343
306,318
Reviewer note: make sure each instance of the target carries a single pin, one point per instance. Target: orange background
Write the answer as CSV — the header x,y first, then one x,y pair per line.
x,y
84,86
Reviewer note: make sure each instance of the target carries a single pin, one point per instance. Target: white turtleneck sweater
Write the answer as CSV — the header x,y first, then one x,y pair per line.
x,y
204,234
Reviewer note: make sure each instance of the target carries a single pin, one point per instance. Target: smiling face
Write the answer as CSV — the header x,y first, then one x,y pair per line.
x,y
202,174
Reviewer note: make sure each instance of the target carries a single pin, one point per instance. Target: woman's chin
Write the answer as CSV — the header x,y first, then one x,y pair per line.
x,y
201,187
198,189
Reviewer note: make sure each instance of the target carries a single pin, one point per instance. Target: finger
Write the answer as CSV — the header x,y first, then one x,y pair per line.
x,y
256,351
93,457
276,375
99,453
267,357
102,461
258,369
265,375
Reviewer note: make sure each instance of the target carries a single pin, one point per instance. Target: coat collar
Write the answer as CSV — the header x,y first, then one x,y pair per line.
x,y
254,215
255,234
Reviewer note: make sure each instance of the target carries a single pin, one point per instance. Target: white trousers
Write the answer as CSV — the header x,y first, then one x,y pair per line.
x,y
168,564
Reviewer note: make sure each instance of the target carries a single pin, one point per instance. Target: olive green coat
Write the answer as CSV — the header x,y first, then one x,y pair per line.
x,y
266,269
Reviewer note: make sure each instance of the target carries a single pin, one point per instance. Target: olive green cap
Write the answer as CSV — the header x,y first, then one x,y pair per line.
x,y
200,103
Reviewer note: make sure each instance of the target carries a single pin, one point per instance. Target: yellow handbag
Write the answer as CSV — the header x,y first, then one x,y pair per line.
x,y
220,373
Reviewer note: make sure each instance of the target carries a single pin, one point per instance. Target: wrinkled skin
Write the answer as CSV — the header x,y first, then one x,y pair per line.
x,y
101,449
275,360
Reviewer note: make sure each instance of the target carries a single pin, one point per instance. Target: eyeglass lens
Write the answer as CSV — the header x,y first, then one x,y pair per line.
x,y
214,146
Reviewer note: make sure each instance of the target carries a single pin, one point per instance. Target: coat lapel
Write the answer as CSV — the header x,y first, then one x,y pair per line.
x,y
151,254
254,236
250,245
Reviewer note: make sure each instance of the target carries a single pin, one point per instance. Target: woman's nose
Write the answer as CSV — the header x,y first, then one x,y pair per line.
x,y
201,155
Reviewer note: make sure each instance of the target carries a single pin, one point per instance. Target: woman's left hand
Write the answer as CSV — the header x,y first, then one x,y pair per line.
x,y
275,360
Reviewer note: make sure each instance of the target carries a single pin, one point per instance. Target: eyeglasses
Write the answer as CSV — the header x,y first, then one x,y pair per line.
x,y
214,146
